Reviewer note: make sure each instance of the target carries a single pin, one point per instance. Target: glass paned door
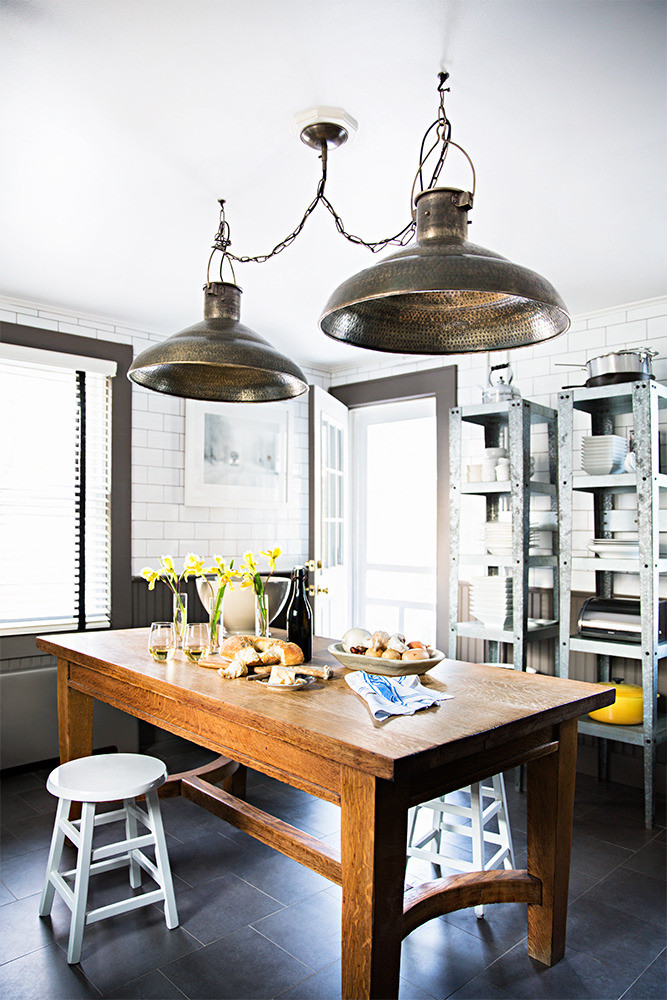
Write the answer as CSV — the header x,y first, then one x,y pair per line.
x,y
329,542
394,548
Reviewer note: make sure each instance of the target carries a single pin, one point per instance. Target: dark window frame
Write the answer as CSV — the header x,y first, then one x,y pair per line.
x,y
16,646
441,383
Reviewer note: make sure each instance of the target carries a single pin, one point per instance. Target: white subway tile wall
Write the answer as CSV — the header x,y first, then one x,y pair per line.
x,y
161,522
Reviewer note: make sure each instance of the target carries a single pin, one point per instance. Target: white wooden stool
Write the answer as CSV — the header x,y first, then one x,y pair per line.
x,y
444,819
107,778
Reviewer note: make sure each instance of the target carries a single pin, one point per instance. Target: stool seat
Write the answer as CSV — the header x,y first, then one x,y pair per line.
x,y
112,777
106,777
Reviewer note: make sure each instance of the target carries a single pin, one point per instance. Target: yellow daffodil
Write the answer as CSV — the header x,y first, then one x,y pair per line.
x,y
151,575
249,565
272,556
193,566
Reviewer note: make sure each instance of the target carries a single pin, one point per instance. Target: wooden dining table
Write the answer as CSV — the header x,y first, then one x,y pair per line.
x,y
323,739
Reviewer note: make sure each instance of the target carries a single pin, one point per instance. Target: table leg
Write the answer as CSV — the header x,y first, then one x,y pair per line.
x,y
373,856
550,807
75,718
235,784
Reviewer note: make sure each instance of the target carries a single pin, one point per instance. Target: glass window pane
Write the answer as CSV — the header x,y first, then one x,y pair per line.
x,y
380,616
412,587
401,506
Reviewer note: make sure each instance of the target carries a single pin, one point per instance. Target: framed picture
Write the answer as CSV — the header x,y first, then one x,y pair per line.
x,y
237,455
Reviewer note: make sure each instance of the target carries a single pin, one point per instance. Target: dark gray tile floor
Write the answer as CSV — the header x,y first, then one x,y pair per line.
x,y
255,924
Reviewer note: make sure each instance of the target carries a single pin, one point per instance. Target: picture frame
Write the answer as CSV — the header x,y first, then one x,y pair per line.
x,y
237,455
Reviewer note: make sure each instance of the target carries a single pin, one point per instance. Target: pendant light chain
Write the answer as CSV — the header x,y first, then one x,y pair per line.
x,y
443,131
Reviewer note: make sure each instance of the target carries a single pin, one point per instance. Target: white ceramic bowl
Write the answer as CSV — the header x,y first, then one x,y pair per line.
x,y
238,605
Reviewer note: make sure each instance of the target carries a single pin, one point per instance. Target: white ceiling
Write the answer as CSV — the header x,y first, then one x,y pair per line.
x,y
123,122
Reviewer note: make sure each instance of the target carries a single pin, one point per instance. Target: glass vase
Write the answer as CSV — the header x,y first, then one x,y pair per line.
x,y
180,610
262,615
216,625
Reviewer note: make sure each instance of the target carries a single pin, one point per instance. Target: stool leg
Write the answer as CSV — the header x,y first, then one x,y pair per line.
x,y
477,830
81,883
414,812
162,859
55,854
503,820
131,831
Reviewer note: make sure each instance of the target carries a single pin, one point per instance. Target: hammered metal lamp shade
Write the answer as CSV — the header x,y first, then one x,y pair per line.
x,y
219,358
444,295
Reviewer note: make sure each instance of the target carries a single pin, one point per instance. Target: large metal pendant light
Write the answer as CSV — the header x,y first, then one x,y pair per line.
x,y
219,358
444,295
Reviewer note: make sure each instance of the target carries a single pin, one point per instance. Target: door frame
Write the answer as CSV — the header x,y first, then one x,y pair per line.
x,y
442,384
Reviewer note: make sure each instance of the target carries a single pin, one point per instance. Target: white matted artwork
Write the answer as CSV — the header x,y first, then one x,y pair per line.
x,y
236,454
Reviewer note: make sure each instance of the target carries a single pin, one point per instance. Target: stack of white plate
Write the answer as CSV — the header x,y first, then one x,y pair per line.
x,y
544,520
603,454
540,542
491,600
615,548
498,538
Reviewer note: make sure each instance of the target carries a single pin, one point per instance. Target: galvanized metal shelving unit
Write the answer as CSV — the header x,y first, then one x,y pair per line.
x,y
508,421
644,400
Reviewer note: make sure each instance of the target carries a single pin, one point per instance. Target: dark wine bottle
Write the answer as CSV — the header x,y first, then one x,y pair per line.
x,y
300,615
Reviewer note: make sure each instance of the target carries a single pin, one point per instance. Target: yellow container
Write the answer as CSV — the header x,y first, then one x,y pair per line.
x,y
627,710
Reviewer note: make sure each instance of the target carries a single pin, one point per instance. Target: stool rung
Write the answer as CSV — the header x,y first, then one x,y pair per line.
x,y
62,888
497,858
122,846
124,905
442,859
149,867
139,814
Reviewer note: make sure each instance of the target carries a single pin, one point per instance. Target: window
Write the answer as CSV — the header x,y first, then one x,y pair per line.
x,y
58,548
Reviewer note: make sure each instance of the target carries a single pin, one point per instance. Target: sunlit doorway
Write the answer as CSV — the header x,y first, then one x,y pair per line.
x,y
394,546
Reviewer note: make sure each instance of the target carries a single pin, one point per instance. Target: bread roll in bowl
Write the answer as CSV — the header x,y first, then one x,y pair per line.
x,y
416,654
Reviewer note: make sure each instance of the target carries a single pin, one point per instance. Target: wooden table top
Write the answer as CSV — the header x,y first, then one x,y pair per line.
x,y
490,705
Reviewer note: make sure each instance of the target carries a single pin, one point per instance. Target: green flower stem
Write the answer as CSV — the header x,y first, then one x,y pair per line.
x,y
215,616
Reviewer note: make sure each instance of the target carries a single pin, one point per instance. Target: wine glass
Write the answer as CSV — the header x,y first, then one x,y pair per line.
x,y
162,641
196,641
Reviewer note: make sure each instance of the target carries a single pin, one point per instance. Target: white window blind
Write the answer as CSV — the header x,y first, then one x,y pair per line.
x,y
55,487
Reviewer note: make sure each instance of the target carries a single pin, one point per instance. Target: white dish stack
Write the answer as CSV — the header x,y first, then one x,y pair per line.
x,y
498,536
491,600
603,454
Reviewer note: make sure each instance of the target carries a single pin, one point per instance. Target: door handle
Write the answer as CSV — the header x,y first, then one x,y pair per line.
x,y
322,590
317,590
311,565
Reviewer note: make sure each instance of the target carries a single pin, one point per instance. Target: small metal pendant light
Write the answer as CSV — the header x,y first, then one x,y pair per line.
x,y
444,295
219,358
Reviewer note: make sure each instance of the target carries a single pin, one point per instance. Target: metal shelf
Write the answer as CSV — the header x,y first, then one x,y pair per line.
x,y
486,414
508,424
614,399
643,400
602,564
506,561
607,647
538,628
505,486
619,482
623,734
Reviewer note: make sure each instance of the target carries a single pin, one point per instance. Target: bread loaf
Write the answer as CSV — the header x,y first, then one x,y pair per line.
x,y
268,650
